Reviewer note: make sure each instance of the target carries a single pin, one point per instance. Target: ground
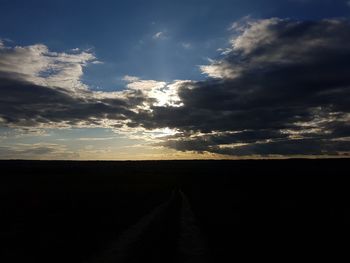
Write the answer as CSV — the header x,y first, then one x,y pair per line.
x,y
264,209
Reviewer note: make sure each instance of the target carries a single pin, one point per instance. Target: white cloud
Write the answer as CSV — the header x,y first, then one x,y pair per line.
x,y
186,45
254,33
165,94
97,62
97,138
240,25
128,78
160,35
38,65
221,70
250,35
145,85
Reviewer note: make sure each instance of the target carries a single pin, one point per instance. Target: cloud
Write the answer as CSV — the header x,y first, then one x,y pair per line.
x,y
186,45
282,88
41,88
128,78
89,139
35,92
36,151
30,105
37,65
160,35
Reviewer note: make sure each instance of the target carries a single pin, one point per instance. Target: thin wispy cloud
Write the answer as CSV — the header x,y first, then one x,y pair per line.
x,y
161,35
186,45
128,78
45,150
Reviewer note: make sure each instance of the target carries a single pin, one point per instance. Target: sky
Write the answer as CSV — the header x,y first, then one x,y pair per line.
x,y
135,80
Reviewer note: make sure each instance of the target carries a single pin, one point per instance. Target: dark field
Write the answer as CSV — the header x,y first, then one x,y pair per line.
x,y
245,210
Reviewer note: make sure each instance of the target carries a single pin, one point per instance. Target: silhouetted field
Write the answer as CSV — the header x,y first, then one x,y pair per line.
x,y
263,210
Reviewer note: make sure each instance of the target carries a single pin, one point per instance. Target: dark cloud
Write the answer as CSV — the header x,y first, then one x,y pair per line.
x,y
285,83
26,104
266,147
28,151
40,88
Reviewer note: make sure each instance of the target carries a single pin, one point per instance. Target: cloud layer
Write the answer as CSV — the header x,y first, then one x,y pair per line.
x,y
40,88
282,88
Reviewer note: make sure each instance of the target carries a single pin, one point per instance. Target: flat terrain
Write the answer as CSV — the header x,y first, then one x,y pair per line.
x,y
263,210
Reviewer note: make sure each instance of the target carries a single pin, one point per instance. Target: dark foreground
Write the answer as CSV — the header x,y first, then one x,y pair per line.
x,y
176,211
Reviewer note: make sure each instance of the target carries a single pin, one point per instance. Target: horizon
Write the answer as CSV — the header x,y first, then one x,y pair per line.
x,y
316,158
166,80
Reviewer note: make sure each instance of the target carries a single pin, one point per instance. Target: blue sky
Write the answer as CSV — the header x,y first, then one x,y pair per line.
x,y
162,41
